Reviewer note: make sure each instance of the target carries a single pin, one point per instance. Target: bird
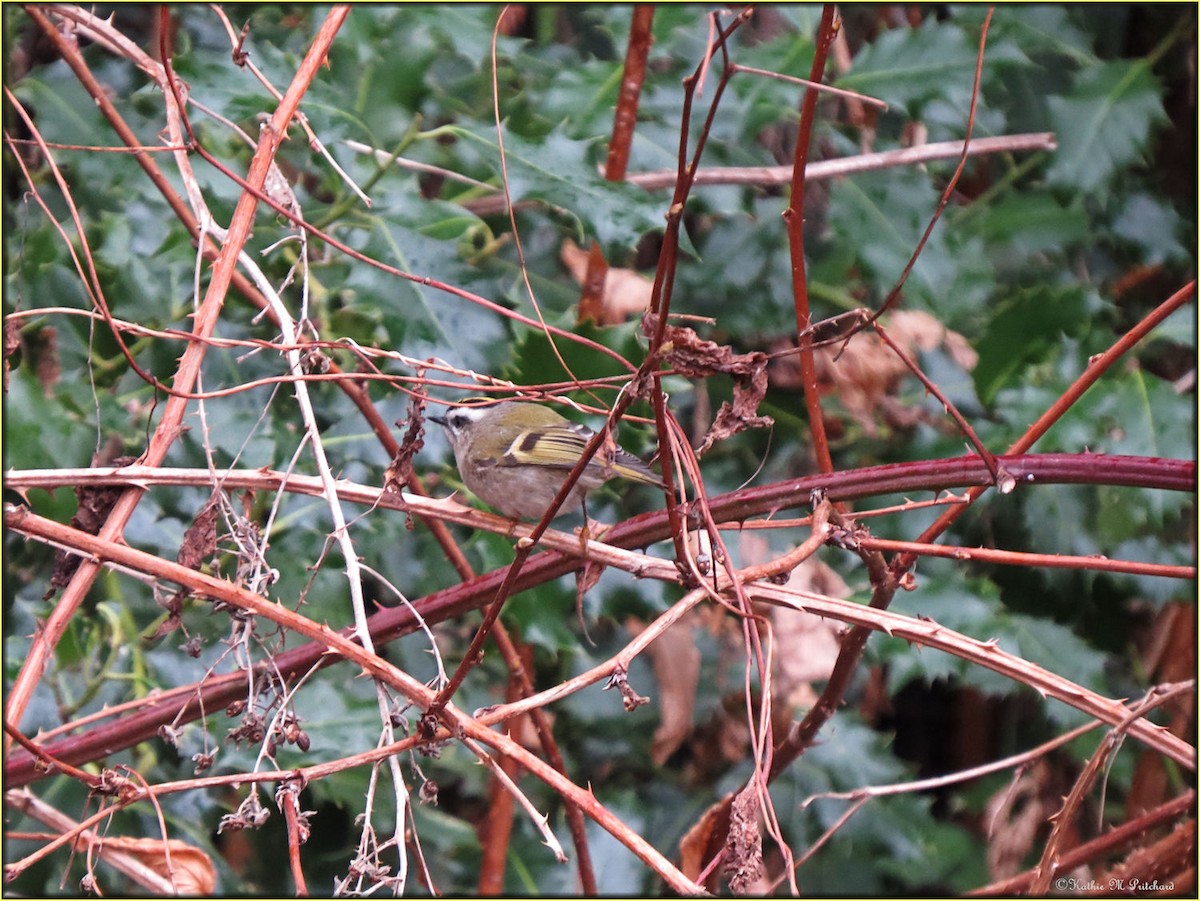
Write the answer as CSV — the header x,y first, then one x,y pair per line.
x,y
516,455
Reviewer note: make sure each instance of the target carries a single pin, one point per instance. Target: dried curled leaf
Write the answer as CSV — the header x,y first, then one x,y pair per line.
x,y
48,363
200,540
12,340
95,503
199,544
744,860
696,357
399,472
278,188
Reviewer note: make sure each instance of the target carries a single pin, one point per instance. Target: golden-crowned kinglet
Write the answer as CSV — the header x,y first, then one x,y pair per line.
x,y
516,456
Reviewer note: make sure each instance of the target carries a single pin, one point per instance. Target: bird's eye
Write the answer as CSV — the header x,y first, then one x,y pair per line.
x,y
457,420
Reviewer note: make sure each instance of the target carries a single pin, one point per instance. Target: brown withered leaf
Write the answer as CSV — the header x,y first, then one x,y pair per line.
x,y
278,188
174,607
12,340
39,345
866,375
744,860
199,544
676,662
915,329
611,294
49,364
698,357
693,847
591,298
191,871
400,471
742,414
200,540
95,503
12,337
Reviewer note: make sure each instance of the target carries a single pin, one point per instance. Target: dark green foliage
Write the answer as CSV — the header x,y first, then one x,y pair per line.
x,y
1029,262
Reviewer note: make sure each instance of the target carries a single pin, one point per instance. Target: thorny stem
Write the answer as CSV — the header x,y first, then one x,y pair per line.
x,y
519,675
661,416
1097,848
1064,819
288,798
336,644
793,216
821,170
1158,695
298,222
911,629
633,74
664,276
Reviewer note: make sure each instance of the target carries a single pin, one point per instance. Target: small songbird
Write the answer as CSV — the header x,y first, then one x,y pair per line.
x,y
515,456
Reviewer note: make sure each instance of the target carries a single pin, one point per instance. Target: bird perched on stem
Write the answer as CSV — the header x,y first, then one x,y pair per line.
x,y
515,456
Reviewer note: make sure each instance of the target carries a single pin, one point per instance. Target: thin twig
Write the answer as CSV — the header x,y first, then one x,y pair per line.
x,y
823,170
1064,820
947,405
817,86
948,192
984,653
